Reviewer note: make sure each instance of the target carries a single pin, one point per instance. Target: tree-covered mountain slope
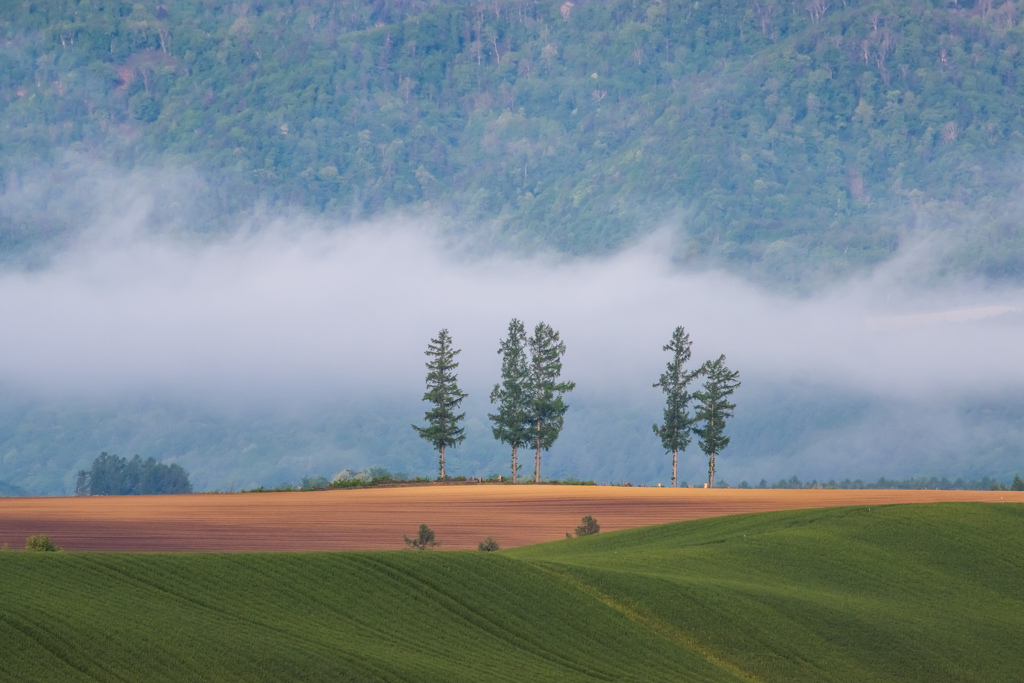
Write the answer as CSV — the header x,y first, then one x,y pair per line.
x,y
783,138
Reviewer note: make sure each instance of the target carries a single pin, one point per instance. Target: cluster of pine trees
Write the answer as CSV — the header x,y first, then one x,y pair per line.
x,y
531,405
712,404
111,475
530,397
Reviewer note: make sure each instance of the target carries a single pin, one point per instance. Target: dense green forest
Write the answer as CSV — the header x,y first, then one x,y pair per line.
x,y
794,144
792,140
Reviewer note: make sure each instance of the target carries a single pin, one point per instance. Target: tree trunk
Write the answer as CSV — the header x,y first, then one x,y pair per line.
x,y
711,455
515,465
536,464
442,462
675,459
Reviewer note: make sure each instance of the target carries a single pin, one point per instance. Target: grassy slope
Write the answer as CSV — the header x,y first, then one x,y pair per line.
x,y
913,593
894,593
339,616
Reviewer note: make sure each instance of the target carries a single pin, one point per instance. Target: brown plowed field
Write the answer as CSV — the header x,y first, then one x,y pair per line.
x,y
378,518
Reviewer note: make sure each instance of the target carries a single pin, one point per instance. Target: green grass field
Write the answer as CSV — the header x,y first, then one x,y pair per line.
x,y
913,593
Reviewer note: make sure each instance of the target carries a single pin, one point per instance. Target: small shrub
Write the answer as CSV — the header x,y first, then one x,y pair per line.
x,y
379,473
41,543
365,479
314,484
424,540
5,547
488,545
589,527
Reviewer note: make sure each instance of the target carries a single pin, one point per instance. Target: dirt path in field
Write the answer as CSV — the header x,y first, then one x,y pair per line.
x,y
377,518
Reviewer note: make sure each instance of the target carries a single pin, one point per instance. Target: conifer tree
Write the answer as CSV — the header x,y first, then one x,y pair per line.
x,y
513,395
443,392
547,409
713,408
675,432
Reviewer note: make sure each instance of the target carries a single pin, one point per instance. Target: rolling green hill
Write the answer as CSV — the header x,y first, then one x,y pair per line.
x,y
783,139
927,592
914,593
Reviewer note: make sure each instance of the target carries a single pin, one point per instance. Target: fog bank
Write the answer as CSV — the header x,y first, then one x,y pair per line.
x,y
304,312
294,347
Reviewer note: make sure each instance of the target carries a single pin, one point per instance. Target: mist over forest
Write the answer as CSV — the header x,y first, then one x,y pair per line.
x,y
228,232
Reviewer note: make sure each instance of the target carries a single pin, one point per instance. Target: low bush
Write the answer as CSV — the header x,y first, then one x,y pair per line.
x,y
488,545
425,539
588,527
361,483
314,484
41,544
372,477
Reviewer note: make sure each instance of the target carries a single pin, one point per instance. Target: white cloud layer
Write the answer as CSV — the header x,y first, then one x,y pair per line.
x,y
303,311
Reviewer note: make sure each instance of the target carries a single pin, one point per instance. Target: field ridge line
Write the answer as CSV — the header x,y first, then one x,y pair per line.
x,y
647,620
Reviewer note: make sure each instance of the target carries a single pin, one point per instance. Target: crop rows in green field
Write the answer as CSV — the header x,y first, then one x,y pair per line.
x,y
925,592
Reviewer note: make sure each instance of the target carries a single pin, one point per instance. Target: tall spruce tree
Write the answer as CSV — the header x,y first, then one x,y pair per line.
x,y
513,394
675,432
443,392
547,408
713,408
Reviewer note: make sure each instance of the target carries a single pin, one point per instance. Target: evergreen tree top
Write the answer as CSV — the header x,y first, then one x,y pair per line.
x,y
515,391
443,393
675,431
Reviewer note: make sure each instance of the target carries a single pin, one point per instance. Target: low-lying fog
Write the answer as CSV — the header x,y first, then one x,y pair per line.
x,y
284,324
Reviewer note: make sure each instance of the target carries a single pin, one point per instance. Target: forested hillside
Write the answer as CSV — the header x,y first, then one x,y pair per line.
x,y
789,139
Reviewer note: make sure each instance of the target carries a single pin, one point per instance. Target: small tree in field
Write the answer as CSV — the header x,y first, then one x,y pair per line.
x,y
547,409
41,544
423,540
488,545
513,395
675,432
588,526
443,392
713,408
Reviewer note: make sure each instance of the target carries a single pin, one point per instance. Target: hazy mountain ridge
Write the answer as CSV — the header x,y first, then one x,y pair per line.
x,y
788,140
790,144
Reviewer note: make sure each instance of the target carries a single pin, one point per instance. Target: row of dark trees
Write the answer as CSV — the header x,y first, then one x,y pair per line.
x,y
530,395
712,404
531,405
111,475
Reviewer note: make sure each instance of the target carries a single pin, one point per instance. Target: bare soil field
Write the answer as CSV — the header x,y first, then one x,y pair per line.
x,y
377,519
